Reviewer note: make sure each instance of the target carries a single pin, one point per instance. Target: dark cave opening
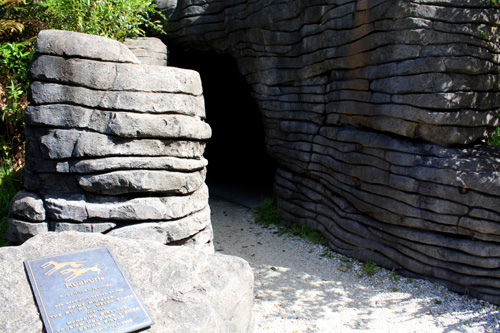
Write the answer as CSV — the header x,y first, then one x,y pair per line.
x,y
236,153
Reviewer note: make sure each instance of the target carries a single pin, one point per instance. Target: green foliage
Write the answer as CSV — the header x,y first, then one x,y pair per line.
x,y
370,268
20,20
305,232
348,262
267,213
116,19
327,253
495,139
10,184
15,58
394,276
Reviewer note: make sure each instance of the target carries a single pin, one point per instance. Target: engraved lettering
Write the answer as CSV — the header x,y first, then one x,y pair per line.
x,y
77,301
77,292
82,282
124,298
113,320
103,286
89,327
80,320
67,328
129,310
126,322
98,302
83,309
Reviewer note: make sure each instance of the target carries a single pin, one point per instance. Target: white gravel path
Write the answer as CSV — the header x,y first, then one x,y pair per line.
x,y
298,290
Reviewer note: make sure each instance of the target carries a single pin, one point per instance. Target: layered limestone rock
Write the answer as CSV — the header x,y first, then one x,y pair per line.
x,y
376,113
113,146
148,50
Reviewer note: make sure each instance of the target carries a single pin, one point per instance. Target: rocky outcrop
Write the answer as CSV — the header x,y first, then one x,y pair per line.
x,y
376,113
183,290
113,146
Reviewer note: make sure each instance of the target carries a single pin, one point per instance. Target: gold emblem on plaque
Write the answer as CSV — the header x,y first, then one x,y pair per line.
x,y
77,269
58,266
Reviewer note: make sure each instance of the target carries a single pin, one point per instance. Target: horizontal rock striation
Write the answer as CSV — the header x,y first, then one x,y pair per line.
x,y
376,113
148,50
113,146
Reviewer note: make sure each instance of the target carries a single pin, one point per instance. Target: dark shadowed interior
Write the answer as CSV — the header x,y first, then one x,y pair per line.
x,y
236,153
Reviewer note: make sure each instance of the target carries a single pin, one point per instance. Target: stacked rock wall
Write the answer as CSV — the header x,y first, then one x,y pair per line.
x,y
376,113
113,146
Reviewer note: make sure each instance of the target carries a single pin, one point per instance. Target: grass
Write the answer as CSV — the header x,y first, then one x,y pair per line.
x,y
370,268
327,253
268,214
305,232
394,276
10,184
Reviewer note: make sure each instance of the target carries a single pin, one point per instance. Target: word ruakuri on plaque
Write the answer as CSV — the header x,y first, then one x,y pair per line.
x,y
85,291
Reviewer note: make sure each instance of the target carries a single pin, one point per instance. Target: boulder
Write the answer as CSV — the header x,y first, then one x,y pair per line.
x,y
28,206
184,290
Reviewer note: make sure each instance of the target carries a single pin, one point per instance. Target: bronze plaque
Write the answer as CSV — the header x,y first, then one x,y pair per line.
x,y
85,291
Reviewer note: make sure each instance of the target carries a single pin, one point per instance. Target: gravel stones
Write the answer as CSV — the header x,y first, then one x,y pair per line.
x,y
112,143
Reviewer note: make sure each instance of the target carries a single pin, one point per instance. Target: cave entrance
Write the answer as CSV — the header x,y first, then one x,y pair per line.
x,y
239,168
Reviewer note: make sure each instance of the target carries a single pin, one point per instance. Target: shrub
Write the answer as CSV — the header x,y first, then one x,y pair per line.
x,y
14,60
116,19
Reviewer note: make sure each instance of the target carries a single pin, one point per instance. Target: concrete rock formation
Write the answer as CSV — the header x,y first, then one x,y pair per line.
x,y
113,146
184,290
148,50
376,113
